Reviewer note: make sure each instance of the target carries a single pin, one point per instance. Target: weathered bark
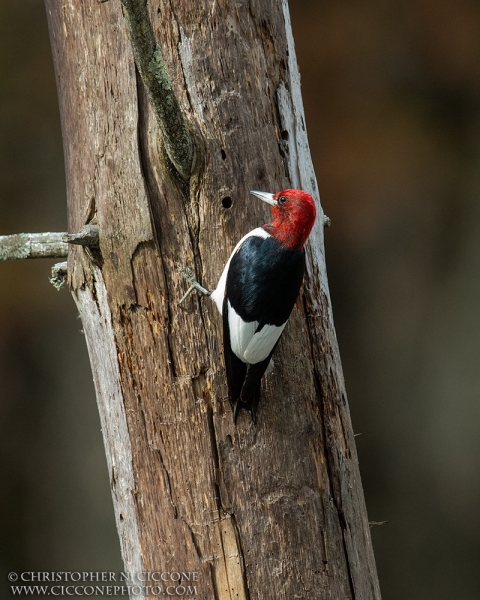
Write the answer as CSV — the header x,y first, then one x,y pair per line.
x,y
268,511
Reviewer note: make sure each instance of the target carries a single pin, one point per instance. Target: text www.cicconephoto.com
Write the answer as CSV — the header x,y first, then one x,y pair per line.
x,y
104,583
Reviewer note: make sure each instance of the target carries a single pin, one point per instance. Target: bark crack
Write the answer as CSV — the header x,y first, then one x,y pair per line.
x,y
241,556
149,187
215,456
214,586
349,569
194,539
168,485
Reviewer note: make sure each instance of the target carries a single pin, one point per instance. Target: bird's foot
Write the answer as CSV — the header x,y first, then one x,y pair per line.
x,y
194,285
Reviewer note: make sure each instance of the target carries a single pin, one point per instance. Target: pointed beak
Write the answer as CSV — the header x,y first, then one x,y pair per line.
x,y
265,196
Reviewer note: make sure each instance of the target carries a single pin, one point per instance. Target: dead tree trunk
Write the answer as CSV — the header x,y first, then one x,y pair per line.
x,y
268,511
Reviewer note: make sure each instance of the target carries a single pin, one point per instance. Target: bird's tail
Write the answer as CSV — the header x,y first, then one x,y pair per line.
x,y
248,403
249,395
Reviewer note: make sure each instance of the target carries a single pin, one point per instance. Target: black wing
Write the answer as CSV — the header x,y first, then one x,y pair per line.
x,y
264,279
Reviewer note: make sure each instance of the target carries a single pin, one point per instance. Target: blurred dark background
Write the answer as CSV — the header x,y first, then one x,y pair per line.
x,y
392,97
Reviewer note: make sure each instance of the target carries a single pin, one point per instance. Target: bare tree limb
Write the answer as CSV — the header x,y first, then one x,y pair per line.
x,y
49,244
33,245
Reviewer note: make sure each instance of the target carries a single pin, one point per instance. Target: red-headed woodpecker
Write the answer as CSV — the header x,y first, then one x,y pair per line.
x,y
257,291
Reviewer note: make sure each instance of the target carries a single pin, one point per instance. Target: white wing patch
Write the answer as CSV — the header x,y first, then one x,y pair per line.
x,y
241,333
219,293
251,347
262,343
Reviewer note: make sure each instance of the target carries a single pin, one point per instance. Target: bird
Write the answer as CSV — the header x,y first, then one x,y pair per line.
x,y
256,293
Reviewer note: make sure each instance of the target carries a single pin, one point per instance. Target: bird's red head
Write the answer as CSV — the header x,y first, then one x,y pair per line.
x,y
294,215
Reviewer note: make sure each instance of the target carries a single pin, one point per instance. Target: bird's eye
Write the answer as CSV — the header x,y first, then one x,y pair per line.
x,y
282,199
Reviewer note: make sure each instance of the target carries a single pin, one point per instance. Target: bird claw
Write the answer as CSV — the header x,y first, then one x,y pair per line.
x,y
194,285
